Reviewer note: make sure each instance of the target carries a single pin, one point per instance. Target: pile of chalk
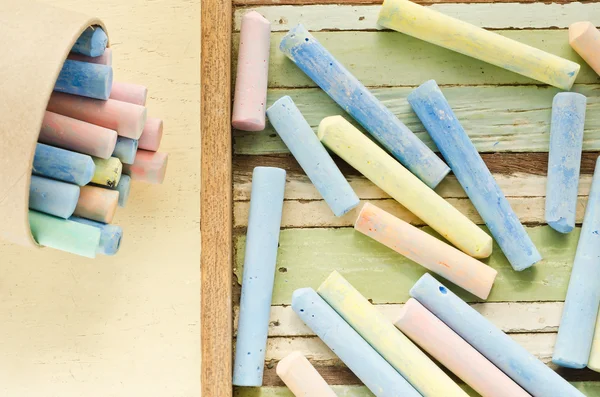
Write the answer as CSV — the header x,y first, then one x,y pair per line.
x,y
94,140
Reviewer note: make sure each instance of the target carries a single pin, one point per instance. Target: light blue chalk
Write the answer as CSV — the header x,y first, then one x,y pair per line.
x,y
312,156
576,330
564,159
262,239
110,237
314,60
63,165
53,197
372,369
437,116
125,149
85,79
124,186
92,42
510,357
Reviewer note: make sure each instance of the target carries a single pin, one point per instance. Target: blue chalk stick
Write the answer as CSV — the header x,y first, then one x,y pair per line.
x,y
125,149
510,357
312,156
53,197
124,186
314,60
85,79
262,239
566,140
372,369
63,165
576,330
437,116
92,42
110,237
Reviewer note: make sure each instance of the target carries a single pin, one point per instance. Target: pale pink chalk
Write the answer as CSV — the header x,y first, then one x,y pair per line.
x,y
104,59
77,136
128,92
152,135
147,167
249,104
126,118
426,250
585,39
302,378
97,204
447,347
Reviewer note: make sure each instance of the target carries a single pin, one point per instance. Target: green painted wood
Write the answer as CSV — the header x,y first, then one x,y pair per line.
x,y
307,256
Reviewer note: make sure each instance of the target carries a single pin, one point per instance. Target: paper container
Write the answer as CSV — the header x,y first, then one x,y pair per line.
x,y
36,39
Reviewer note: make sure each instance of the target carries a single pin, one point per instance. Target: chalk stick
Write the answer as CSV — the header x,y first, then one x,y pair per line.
x,y
151,135
104,59
566,141
149,167
585,40
576,330
296,133
128,92
372,369
450,350
63,165
64,235
123,187
437,116
352,96
427,24
426,250
108,171
511,358
301,377
85,79
110,235
250,98
262,239
360,152
53,197
594,360
97,204
92,42
125,150
125,118
77,136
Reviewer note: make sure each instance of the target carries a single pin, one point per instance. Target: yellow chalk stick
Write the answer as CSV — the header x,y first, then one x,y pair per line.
x,y
108,171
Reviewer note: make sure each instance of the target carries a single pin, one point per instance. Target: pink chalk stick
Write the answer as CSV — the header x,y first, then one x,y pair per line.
x,y
97,204
148,167
452,351
104,59
128,92
585,39
302,378
126,118
429,252
77,136
152,135
249,104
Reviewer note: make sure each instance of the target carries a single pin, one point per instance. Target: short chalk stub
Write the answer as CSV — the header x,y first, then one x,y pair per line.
x,y
108,171
585,40
97,204
128,92
90,80
53,197
110,237
63,165
151,135
302,378
92,42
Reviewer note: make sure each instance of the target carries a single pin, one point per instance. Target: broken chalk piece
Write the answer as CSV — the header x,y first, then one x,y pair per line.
x,y
110,235
104,59
97,204
108,171
125,150
149,167
152,135
53,197
123,187
301,377
92,42
128,92
63,165
85,79
585,40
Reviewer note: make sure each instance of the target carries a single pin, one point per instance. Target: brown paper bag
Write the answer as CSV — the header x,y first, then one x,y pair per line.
x,y
36,39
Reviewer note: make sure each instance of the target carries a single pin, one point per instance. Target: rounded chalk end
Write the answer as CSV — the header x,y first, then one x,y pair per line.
x,y
108,81
578,29
111,239
434,182
485,250
561,225
246,124
255,17
89,171
326,124
287,363
98,42
560,361
109,143
111,208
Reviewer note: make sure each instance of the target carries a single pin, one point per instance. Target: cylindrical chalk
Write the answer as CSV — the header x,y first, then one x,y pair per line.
x,y
97,204
576,330
64,235
148,167
379,332
63,165
510,357
566,141
90,80
380,168
125,150
443,344
437,116
427,24
123,187
92,42
252,73
53,197
128,92
372,369
302,378
594,360
110,237
108,171
104,59
152,135
314,60
78,136
262,239
426,250
585,39
125,118
312,156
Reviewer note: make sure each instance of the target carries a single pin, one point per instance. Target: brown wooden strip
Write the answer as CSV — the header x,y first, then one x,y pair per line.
x,y
242,3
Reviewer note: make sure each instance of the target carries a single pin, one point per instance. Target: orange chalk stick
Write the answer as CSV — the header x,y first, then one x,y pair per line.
x,y
128,92
585,39
148,167
152,135
97,204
